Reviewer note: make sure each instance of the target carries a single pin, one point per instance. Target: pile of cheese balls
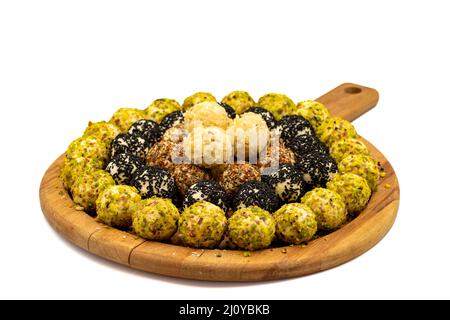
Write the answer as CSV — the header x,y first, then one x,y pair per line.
x,y
123,172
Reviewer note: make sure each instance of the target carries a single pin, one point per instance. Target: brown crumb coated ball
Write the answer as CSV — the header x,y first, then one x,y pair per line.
x,y
160,155
188,174
284,154
217,170
235,175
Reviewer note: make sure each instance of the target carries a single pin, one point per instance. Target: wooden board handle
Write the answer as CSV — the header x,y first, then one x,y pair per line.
x,y
349,100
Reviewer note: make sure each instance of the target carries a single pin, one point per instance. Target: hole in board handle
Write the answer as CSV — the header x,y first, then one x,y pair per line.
x,y
352,90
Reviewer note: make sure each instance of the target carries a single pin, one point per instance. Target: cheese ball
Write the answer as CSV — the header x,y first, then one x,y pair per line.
x,y
123,118
295,223
202,225
208,190
208,147
276,154
148,130
206,114
187,174
266,115
303,145
171,120
317,169
142,127
119,144
162,154
115,206
256,193
155,219
334,129
363,166
250,134
251,228
315,112
154,181
226,243
73,168
240,101
292,127
287,182
160,108
175,134
197,98
88,186
126,143
353,189
235,175
104,131
344,147
89,148
123,167
278,104
328,207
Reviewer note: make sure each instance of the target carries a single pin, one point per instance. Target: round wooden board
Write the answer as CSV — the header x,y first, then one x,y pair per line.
x,y
353,239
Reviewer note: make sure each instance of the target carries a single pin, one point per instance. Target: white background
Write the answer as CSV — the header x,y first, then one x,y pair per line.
x,y
63,63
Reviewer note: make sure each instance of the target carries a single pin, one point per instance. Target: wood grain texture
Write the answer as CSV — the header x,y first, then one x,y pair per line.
x,y
350,100
326,252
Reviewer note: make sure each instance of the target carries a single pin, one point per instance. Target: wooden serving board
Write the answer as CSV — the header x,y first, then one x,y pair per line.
x,y
348,101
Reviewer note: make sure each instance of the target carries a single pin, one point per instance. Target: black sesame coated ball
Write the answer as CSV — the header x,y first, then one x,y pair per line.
x,y
149,130
130,144
207,190
123,166
171,120
287,182
119,144
230,111
305,144
293,126
256,193
266,115
142,126
317,169
154,181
